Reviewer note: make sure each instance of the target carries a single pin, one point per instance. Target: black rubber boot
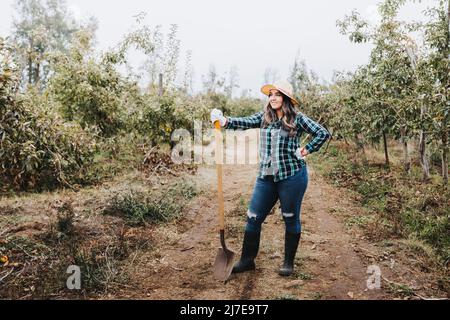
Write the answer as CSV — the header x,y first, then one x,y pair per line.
x,y
250,249
290,248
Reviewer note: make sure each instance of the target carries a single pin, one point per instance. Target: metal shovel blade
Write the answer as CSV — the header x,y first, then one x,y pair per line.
x,y
224,261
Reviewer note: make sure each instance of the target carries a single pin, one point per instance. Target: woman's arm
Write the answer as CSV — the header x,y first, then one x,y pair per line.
x,y
244,123
320,134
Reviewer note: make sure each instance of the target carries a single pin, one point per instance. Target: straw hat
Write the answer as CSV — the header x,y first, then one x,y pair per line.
x,y
282,86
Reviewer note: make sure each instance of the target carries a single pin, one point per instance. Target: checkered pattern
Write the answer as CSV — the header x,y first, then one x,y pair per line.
x,y
277,148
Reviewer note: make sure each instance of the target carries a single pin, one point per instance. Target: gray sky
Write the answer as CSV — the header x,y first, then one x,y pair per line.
x,y
252,35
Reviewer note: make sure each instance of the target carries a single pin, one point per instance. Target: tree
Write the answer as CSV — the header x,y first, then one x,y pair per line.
x,y
393,101
231,82
434,75
413,56
91,91
271,75
406,81
188,80
164,58
40,29
153,64
212,82
300,77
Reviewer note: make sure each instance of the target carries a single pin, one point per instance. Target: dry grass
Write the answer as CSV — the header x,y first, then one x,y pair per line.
x,y
42,234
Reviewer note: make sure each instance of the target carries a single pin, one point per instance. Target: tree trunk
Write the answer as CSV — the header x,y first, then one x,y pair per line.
x,y
422,148
36,73
445,120
30,71
386,155
406,159
360,149
423,157
445,153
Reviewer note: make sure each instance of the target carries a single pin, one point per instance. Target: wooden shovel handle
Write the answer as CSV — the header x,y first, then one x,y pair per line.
x,y
219,161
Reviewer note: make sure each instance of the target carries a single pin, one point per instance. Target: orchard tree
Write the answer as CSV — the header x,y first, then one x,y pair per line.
x,y
311,93
93,92
391,98
433,68
212,81
163,59
271,75
300,77
188,79
39,29
232,82
88,92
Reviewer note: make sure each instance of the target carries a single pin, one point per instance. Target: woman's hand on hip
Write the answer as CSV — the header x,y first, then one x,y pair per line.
x,y
301,153
304,152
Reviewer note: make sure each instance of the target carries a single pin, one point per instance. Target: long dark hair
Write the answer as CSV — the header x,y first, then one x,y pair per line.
x,y
289,114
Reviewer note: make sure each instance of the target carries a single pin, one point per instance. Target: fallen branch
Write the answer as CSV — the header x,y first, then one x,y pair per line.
x,y
370,253
412,290
4,277
176,269
170,171
148,155
157,167
4,231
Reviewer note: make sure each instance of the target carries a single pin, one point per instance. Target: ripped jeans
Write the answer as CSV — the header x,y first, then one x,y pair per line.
x,y
266,194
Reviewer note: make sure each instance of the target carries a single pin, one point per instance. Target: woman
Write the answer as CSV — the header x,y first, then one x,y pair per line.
x,y
282,174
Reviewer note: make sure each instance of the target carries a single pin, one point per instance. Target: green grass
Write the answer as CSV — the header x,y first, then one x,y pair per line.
x,y
303,275
400,289
360,221
286,297
140,207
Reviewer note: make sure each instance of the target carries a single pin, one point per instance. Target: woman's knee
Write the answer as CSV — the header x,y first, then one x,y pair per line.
x,y
255,220
292,222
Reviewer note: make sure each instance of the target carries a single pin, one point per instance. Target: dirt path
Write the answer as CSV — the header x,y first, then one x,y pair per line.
x,y
332,260
329,263
177,260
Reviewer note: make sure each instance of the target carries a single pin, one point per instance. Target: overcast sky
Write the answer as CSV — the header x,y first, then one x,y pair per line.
x,y
250,34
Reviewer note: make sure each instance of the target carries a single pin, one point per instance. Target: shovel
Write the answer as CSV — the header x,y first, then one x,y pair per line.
x,y
224,259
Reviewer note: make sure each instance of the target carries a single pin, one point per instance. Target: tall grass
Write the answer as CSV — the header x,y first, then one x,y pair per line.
x,y
139,207
403,204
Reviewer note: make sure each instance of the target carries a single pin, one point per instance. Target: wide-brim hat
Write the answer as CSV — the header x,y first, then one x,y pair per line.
x,y
282,86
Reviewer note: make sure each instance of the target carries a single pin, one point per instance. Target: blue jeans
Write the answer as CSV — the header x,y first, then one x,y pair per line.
x,y
266,194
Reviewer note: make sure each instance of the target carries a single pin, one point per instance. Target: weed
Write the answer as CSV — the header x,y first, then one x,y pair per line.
x,y
316,296
400,289
139,207
360,221
286,297
65,219
303,275
403,206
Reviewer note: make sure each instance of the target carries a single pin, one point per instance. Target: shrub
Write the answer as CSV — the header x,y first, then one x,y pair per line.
x,y
37,150
88,91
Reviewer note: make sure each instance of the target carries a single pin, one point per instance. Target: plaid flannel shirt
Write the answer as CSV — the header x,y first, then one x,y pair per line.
x,y
278,149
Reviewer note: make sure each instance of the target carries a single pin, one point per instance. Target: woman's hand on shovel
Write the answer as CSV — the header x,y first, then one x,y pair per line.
x,y
217,115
